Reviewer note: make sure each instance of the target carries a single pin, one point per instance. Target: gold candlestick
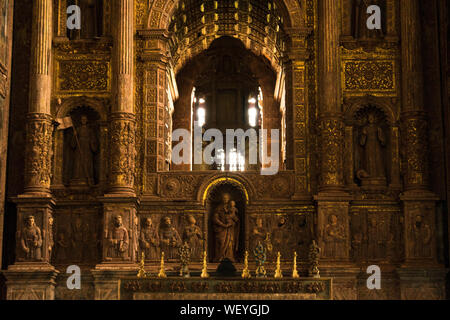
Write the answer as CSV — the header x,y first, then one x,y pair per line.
x,y
141,272
294,271
278,273
162,272
246,273
205,267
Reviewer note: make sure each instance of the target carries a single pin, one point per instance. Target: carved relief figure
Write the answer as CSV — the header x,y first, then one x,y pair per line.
x,y
193,236
334,238
169,238
373,141
31,240
281,237
149,240
118,239
226,229
258,233
78,239
85,145
62,247
376,243
421,235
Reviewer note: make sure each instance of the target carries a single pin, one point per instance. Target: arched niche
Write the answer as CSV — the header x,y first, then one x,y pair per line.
x,y
372,135
217,236
67,142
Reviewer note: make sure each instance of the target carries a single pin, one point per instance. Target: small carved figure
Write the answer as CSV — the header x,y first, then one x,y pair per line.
x,y
78,239
226,229
31,240
169,238
258,233
373,140
334,238
192,234
149,240
421,234
85,145
62,247
118,239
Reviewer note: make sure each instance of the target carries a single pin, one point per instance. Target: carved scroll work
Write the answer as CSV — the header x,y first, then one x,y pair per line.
x,y
39,153
123,152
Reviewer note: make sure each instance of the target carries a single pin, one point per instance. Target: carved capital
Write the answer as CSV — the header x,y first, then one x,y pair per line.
x,y
123,152
414,151
332,144
39,150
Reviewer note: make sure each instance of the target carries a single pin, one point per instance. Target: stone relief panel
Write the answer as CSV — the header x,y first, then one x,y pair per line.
x,y
284,233
77,236
376,234
334,232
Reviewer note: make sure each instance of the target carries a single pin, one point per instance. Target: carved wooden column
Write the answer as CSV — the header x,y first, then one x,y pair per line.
x,y
35,207
119,240
333,203
419,204
123,120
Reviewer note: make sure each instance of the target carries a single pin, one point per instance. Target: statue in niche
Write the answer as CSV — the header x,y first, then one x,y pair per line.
x,y
421,235
361,16
226,229
169,238
118,240
149,240
193,236
78,239
84,146
31,240
373,141
334,238
91,19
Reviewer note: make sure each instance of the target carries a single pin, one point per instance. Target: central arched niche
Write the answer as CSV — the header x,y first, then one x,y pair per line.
x,y
213,202
226,75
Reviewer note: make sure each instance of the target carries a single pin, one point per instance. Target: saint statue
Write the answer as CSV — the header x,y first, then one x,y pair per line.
x,y
226,229
169,238
372,140
149,240
192,234
85,145
31,240
118,239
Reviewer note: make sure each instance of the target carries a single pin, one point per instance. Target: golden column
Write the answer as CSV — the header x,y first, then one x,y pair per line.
x,y
332,201
32,272
419,203
123,122
39,122
415,140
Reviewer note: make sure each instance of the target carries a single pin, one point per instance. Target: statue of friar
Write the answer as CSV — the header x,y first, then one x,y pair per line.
x,y
226,229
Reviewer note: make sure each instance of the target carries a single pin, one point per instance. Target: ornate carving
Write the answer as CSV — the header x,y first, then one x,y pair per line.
x,y
369,76
39,152
123,151
31,241
332,138
118,240
149,240
414,152
83,76
193,235
169,238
